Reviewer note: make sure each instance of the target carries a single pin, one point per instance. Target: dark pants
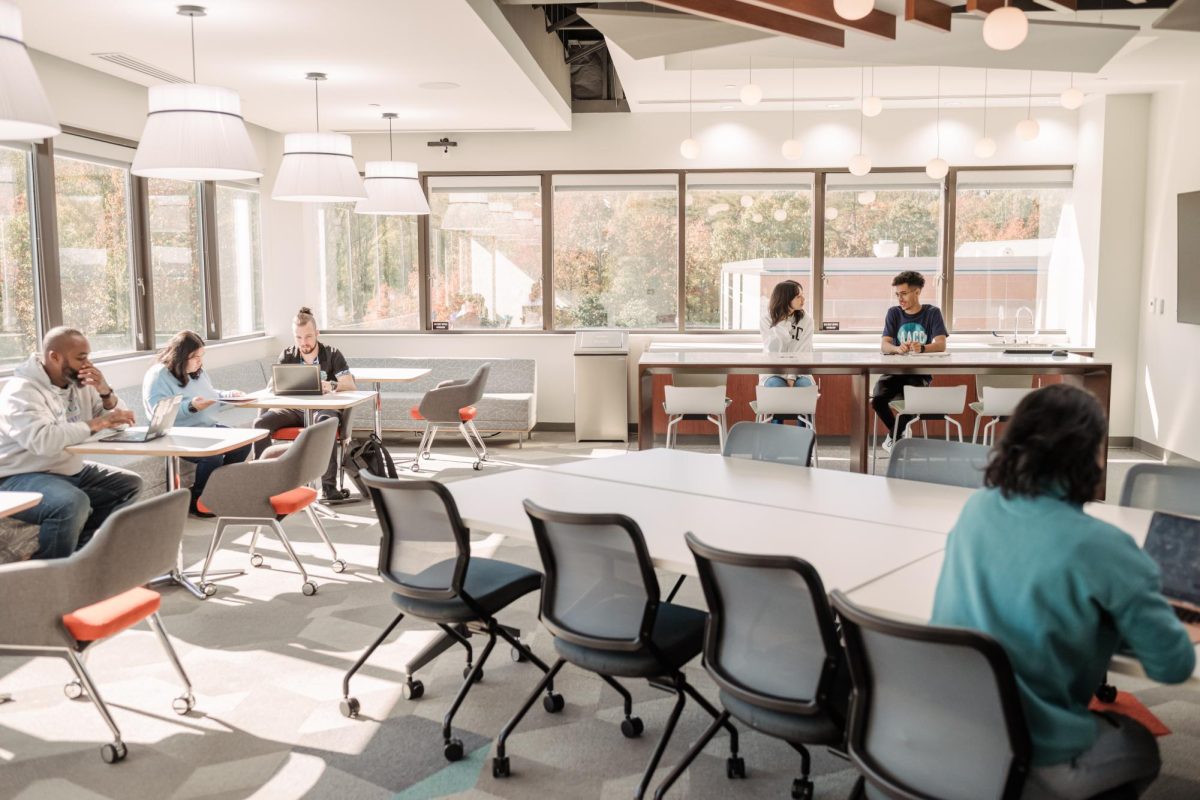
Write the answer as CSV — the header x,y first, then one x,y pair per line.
x,y
205,466
889,388
73,507
275,418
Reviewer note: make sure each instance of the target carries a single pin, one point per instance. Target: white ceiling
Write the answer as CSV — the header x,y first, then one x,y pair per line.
x,y
375,52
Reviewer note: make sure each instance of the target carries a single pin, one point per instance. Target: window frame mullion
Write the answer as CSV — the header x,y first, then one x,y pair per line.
x,y
143,277
210,259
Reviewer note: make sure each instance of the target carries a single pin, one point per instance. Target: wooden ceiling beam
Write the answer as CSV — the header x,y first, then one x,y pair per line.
x,y
877,23
982,8
929,13
1059,5
751,16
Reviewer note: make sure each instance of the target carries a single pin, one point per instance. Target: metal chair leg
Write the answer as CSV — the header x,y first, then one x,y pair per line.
x,y
287,545
975,433
544,684
663,741
478,438
186,701
350,704
696,749
338,564
472,677
86,679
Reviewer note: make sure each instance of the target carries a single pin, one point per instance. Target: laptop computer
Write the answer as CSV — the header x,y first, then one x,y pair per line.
x,y
1174,544
296,379
160,423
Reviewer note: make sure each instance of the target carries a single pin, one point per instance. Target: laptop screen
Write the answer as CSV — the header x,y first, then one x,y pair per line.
x,y
1174,544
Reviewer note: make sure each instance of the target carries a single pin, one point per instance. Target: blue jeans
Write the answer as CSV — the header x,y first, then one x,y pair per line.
x,y
73,506
778,381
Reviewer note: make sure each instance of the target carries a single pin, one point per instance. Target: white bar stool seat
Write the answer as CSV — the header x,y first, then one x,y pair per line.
x,y
998,403
695,402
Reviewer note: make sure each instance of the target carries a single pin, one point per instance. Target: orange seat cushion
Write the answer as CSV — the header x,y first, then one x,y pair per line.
x,y
111,616
464,414
286,503
290,434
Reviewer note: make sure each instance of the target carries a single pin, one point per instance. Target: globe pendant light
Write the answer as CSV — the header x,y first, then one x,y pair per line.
x,y
792,149
853,9
466,211
25,113
194,132
689,148
1027,129
1005,28
872,106
937,168
751,94
392,186
317,167
860,164
1072,96
985,147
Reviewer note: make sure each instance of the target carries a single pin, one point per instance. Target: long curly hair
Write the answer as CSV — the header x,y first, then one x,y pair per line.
x,y
779,307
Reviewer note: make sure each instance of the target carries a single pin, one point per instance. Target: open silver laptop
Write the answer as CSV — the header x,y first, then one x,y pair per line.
x,y
160,423
296,379
1174,544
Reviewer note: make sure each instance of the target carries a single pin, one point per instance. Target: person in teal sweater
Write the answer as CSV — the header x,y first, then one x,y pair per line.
x,y
1060,590
180,371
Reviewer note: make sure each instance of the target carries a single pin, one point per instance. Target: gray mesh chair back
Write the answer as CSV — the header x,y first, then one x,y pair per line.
x,y
762,441
599,589
770,639
939,461
441,404
421,527
935,713
1161,487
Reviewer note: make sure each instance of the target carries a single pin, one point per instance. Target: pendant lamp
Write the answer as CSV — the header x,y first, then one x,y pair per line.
x,y
860,164
1028,128
689,148
392,186
986,146
195,132
317,167
791,147
25,113
937,168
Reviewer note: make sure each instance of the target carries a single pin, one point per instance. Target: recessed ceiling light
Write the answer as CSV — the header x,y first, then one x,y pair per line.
x,y
726,107
731,86
373,105
438,85
833,105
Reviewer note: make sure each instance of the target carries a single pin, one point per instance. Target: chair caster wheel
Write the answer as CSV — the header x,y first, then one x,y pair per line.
x,y
413,690
518,655
349,707
632,727
209,589
1106,693
453,751
256,560
467,673
112,753
424,455
735,767
415,467
339,565
309,589
553,703
73,690
500,767
183,704
478,465
802,789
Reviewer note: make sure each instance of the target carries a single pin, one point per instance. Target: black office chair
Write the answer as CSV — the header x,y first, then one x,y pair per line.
x,y
935,712
939,461
762,441
1162,487
772,648
460,594
600,601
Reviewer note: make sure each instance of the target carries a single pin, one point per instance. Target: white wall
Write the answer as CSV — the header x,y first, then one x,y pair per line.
x,y
1168,371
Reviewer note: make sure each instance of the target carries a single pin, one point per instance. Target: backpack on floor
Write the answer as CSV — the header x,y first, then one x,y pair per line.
x,y
369,455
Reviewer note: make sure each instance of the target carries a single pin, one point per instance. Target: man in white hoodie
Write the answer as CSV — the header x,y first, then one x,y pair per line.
x,y
53,401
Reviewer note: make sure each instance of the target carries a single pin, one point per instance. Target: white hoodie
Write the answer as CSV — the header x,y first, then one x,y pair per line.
x,y
789,337
38,421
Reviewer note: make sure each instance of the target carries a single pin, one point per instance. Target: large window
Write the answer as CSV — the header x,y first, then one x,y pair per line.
x,y
239,254
368,268
616,251
1014,246
745,234
92,199
18,281
485,252
175,257
875,227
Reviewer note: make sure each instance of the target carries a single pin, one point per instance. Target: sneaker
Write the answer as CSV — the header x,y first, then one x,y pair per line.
x,y
888,444
331,495
196,512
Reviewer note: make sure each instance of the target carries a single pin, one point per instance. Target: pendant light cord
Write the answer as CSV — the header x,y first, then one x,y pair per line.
x,y
317,102
793,98
985,98
938,127
391,154
862,83
1029,98
691,71
192,20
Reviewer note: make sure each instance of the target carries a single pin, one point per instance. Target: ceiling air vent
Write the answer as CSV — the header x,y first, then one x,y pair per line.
x,y
137,65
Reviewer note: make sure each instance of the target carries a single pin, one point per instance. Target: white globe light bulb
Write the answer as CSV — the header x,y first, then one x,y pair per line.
x,y
689,148
860,164
872,106
853,9
1005,28
751,94
1028,129
791,149
780,215
1071,98
757,217
985,147
747,201
937,169
831,213
867,197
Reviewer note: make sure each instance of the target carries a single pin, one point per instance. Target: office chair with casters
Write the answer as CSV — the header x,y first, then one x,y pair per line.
x,y
935,712
772,648
924,403
425,560
762,441
936,461
266,491
62,607
452,403
600,602
1162,487
786,402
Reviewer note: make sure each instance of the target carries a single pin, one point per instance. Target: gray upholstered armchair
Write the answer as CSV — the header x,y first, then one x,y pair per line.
x,y
59,607
452,403
264,491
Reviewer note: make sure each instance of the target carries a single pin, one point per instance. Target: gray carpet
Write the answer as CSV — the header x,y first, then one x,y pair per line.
x,y
267,664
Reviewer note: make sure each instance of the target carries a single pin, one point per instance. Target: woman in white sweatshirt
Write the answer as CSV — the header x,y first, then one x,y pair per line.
x,y
787,329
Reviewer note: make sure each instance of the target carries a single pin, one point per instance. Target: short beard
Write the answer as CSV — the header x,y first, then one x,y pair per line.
x,y
72,376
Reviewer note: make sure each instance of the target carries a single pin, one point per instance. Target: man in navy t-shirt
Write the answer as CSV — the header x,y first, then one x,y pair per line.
x,y
909,327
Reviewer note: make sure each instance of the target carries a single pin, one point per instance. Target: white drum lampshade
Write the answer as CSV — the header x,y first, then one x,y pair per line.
x,y
25,113
195,133
1005,28
317,168
392,189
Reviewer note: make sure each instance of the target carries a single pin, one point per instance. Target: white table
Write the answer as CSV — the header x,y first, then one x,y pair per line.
x,y
16,502
377,376
309,404
178,443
